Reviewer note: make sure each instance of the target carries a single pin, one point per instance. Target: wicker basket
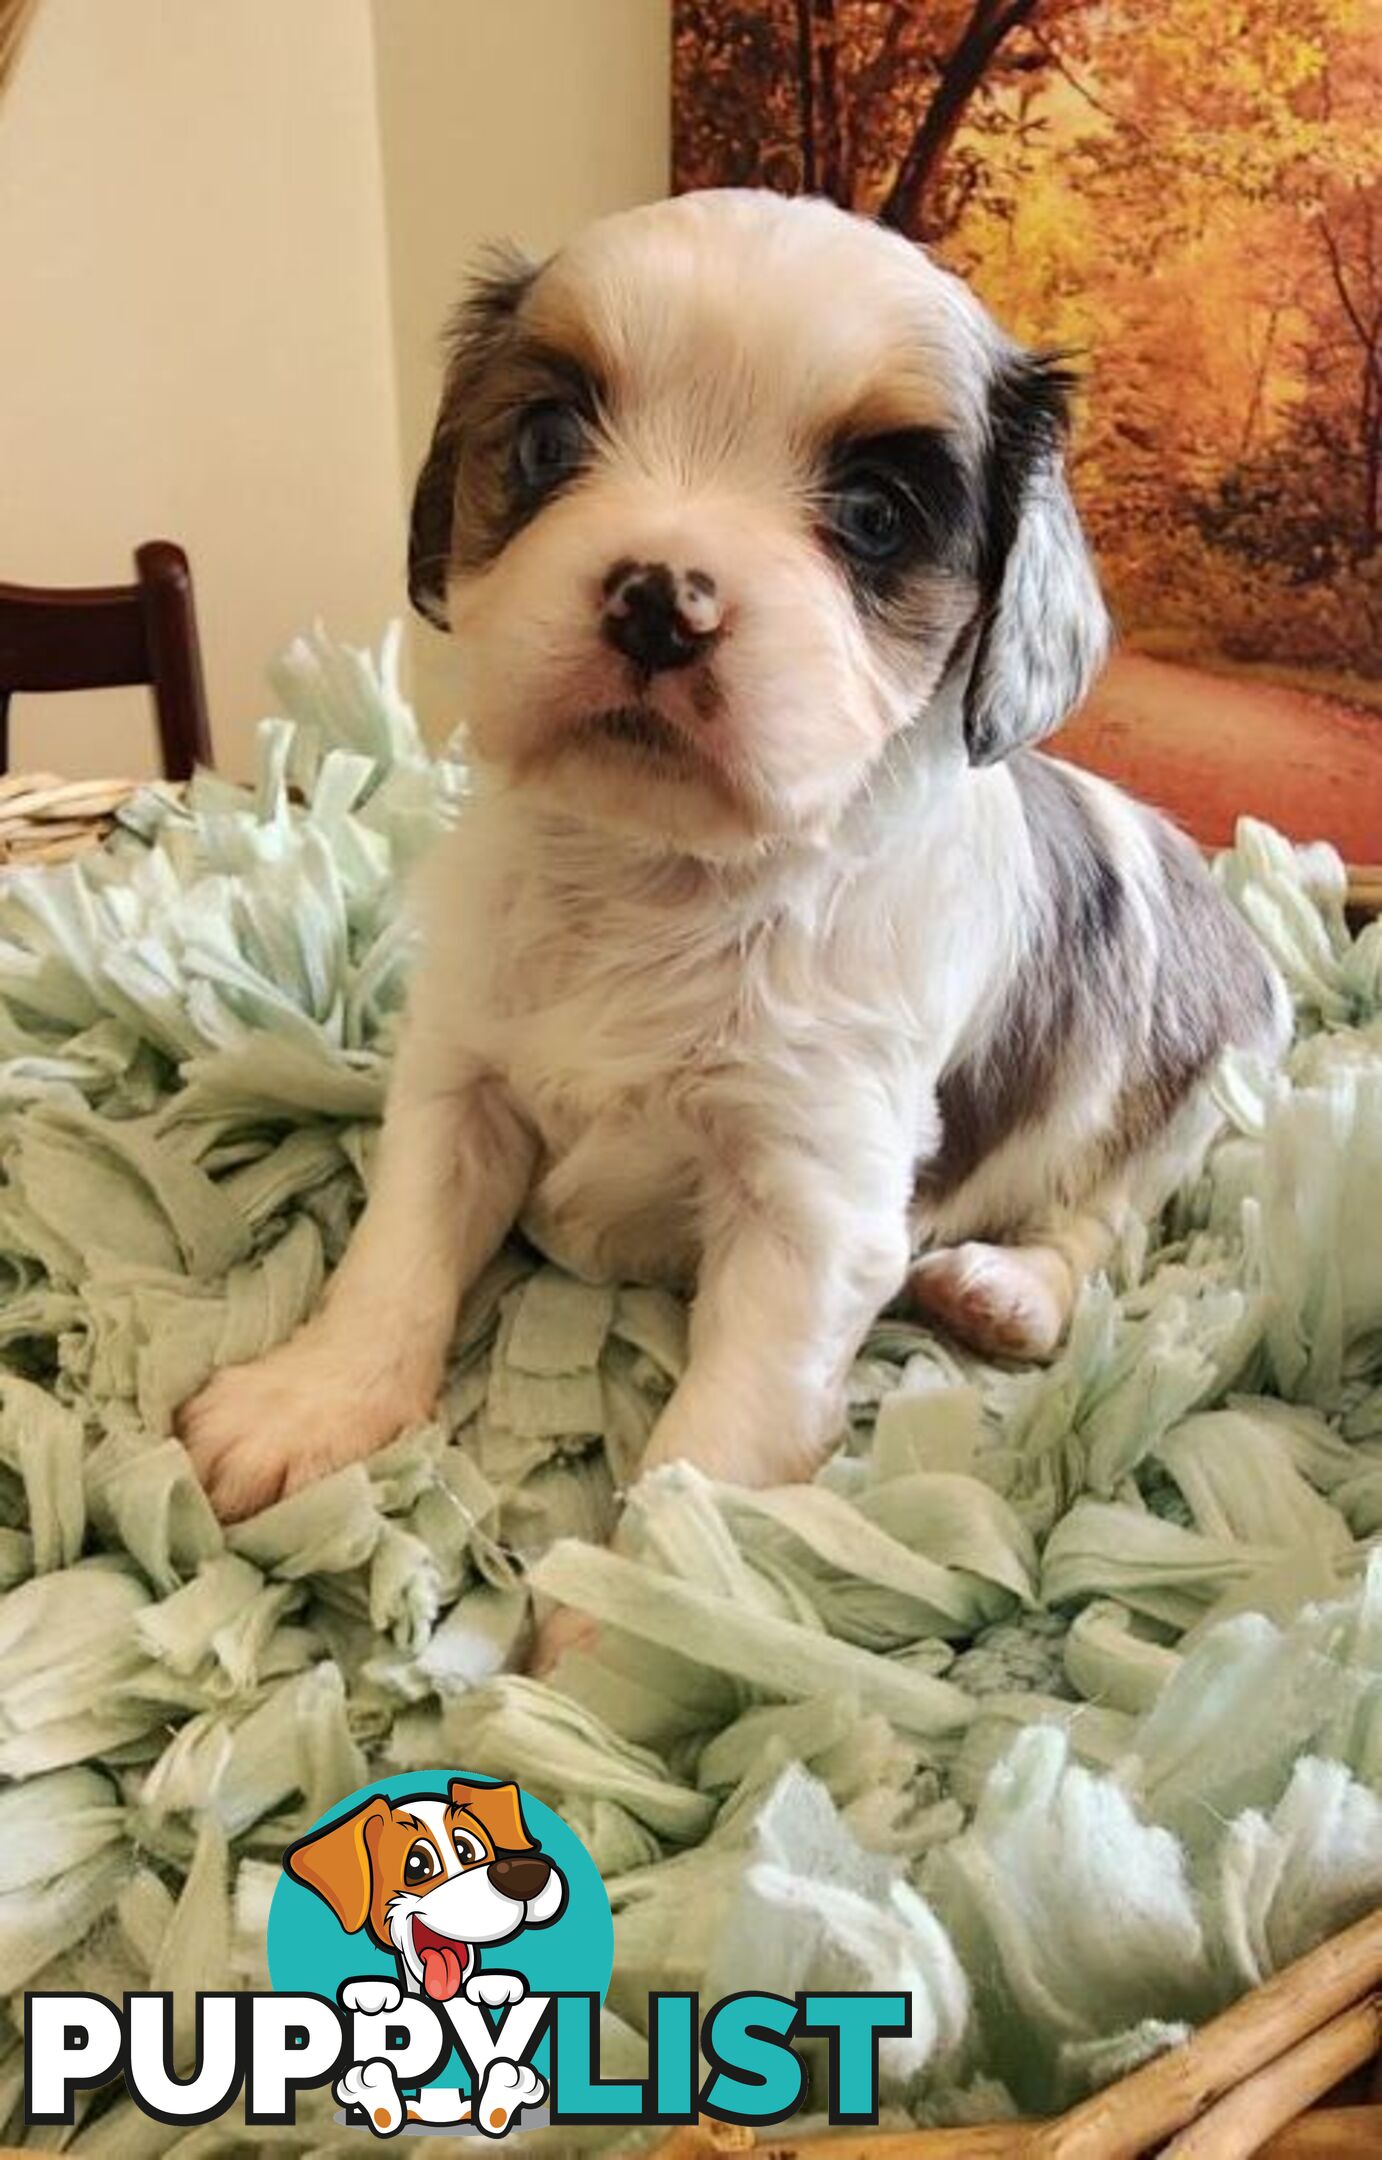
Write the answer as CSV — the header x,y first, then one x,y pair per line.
x,y
47,820
1240,2086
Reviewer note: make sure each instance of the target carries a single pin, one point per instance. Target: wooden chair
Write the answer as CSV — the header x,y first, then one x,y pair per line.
x,y
101,637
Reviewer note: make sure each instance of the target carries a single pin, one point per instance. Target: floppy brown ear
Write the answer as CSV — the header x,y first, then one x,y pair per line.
x,y
499,1809
1044,631
475,337
336,1863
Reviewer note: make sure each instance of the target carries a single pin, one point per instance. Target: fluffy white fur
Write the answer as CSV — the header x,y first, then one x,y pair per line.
x,y
683,1008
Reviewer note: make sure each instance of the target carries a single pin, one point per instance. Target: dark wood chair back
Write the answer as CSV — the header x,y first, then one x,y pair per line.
x,y
102,637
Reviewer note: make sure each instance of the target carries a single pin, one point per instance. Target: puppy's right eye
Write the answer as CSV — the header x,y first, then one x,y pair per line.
x,y
420,1865
868,516
549,446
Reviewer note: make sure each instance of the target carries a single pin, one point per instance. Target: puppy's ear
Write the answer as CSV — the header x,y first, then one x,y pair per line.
x,y
498,1808
336,1863
476,338
1044,630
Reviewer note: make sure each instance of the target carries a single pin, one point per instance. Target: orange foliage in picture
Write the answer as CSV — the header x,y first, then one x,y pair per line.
x,y
1187,194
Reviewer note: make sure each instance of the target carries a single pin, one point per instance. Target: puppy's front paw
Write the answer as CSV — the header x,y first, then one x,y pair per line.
x,y
785,1446
1003,1300
496,1990
372,2087
508,2086
372,1998
256,1432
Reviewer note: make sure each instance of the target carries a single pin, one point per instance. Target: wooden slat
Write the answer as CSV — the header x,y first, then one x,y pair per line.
x,y
47,820
1365,890
1238,2125
1141,2111
1328,2134
986,2141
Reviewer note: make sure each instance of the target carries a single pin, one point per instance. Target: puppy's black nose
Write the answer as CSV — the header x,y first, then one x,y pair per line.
x,y
659,617
520,1875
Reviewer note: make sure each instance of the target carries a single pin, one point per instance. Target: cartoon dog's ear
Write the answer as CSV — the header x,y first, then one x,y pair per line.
x,y
498,1808
1044,630
336,1863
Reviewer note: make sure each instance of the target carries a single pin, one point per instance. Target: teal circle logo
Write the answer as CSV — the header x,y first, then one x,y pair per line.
x,y
466,1893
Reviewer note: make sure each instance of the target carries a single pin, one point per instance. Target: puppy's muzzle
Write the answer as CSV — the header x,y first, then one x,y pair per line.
x,y
520,1875
658,617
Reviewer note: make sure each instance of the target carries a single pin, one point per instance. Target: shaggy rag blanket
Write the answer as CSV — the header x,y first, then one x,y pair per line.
x,y
1056,1700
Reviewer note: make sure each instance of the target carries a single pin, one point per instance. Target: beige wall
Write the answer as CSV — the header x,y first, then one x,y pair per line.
x,y
518,119
195,334
229,232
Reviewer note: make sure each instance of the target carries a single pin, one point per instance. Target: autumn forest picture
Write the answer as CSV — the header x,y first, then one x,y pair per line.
x,y
1187,196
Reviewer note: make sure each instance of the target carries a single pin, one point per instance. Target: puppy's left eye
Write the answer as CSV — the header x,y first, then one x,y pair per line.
x,y
469,1848
867,516
421,1863
549,446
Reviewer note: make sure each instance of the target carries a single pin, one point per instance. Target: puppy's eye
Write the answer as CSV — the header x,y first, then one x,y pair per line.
x,y
469,1848
421,1864
549,446
867,515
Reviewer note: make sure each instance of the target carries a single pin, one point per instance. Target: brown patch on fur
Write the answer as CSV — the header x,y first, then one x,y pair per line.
x,y
556,317
896,399
502,356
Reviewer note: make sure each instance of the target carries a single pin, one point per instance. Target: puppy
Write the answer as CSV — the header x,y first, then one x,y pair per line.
x,y
768,959
432,1878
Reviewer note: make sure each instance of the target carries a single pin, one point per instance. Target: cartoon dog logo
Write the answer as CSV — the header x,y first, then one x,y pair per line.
x,y
436,1879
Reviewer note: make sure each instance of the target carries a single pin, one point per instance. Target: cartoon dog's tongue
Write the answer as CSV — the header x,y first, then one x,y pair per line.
x,y
443,1962
441,1972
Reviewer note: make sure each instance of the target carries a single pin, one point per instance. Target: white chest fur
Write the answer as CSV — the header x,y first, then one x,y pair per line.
x,y
657,1020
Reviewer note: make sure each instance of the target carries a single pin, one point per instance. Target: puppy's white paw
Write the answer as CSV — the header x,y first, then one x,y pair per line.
x,y
257,1432
372,2087
507,2087
1003,1300
783,1446
372,1998
496,1990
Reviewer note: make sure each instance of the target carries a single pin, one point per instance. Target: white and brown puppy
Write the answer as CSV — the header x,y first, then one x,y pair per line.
x,y
767,959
